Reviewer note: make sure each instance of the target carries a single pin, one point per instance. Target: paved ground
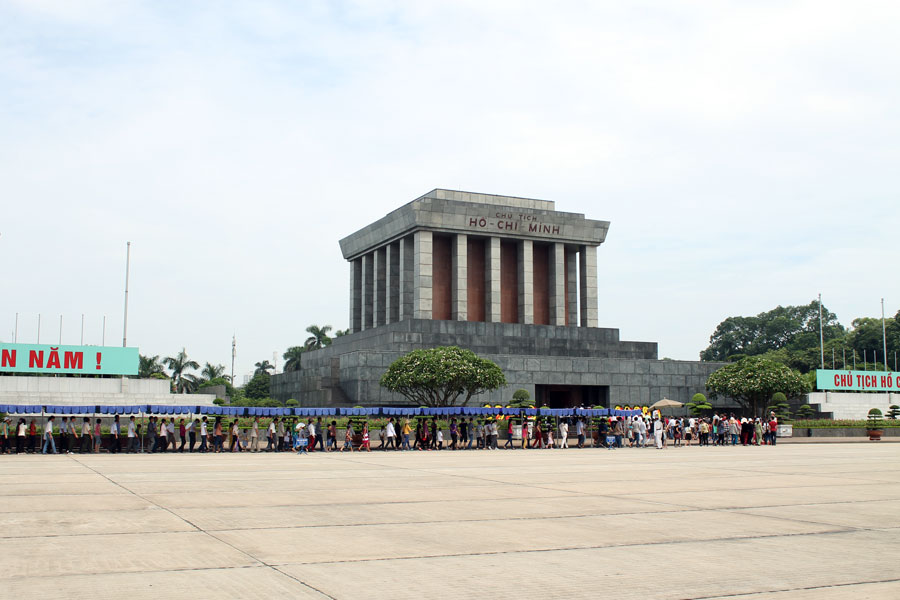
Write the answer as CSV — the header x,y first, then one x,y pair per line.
x,y
809,521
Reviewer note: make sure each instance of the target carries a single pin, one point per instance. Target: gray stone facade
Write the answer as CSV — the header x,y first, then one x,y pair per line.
x,y
511,279
624,372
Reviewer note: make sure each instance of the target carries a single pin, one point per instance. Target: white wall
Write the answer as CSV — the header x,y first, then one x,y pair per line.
x,y
850,405
85,391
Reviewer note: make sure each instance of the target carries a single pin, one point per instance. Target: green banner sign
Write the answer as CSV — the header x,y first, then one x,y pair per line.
x,y
857,381
84,360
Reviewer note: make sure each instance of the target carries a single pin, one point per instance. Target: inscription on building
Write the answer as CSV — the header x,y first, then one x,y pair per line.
x,y
513,223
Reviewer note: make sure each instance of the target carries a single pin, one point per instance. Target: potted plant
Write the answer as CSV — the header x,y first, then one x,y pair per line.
x,y
874,425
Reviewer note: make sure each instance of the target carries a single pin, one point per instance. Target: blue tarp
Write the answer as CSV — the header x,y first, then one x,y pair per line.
x,y
238,411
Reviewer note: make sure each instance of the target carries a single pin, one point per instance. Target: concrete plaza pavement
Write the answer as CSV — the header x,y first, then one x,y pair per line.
x,y
816,521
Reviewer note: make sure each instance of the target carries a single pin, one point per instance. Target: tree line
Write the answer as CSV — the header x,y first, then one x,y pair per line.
x,y
789,335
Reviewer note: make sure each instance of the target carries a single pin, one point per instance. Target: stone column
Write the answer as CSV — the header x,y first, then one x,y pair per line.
x,y
459,299
368,263
588,274
572,284
392,298
380,281
492,280
526,281
557,284
355,295
422,275
407,274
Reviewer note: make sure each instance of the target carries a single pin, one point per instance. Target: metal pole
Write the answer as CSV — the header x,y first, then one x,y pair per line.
x,y
127,269
16,334
883,335
865,361
60,330
82,329
832,357
103,339
821,334
233,353
844,353
39,328
854,359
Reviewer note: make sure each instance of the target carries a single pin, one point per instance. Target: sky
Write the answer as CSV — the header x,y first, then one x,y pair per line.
x,y
745,154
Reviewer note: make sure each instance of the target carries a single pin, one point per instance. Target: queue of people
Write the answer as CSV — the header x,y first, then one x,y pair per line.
x,y
281,434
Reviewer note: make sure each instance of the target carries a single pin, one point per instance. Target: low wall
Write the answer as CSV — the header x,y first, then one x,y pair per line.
x,y
838,432
80,391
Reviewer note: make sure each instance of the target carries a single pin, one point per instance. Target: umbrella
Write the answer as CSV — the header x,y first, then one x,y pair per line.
x,y
665,403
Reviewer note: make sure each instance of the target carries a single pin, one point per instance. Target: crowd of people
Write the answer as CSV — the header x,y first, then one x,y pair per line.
x,y
280,434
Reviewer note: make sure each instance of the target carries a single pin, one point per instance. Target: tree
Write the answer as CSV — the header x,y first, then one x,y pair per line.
x,y
894,412
521,399
779,405
806,412
185,382
318,337
441,376
263,367
341,332
229,389
211,371
291,402
752,380
149,365
698,404
258,386
293,358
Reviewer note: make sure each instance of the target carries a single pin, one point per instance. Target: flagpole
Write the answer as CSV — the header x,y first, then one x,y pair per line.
x,y
127,270
883,335
821,335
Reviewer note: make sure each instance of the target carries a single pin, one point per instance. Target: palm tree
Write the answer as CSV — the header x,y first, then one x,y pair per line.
x,y
341,332
211,371
319,338
293,358
184,382
149,365
263,367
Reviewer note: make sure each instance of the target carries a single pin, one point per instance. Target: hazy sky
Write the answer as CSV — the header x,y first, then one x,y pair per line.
x,y
746,155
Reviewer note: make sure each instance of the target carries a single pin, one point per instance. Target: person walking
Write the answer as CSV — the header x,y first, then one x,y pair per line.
x,y
21,428
192,434
98,435
564,433
320,433
5,442
86,444
332,437
404,431
280,440
454,433
48,437
658,432
254,435
348,437
33,436
204,435
182,433
509,434
579,431
365,437
73,434
114,436
217,435
235,437
311,433
64,435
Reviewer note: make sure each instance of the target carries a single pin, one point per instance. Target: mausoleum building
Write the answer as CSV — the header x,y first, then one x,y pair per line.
x,y
512,279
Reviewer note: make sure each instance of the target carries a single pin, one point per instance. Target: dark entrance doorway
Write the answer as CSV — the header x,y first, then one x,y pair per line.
x,y
571,396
